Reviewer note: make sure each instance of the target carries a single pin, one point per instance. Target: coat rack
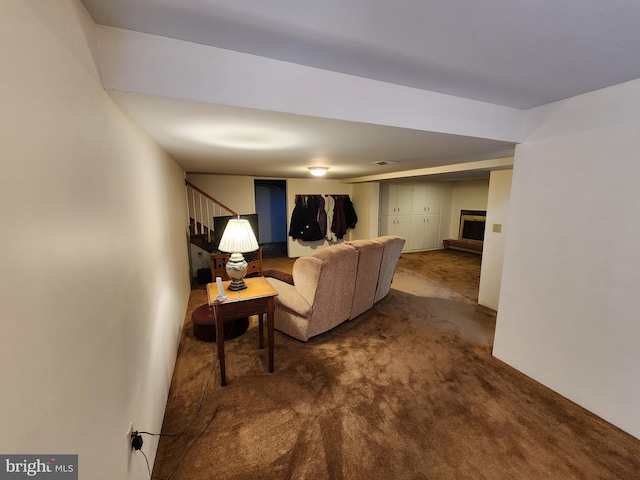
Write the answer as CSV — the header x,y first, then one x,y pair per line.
x,y
318,217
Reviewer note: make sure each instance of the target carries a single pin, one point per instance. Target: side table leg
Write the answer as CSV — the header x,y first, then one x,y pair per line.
x,y
220,344
270,307
261,329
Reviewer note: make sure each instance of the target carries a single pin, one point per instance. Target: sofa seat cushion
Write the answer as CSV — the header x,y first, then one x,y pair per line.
x,y
289,299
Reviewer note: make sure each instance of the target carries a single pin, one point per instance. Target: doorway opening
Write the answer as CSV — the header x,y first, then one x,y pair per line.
x,y
271,207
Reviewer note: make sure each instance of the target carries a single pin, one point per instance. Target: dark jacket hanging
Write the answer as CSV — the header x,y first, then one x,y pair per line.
x,y
296,226
312,227
350,216
344,215
322,217
339,224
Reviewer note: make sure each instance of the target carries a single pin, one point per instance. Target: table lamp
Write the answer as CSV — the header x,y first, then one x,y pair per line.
x,y
238,238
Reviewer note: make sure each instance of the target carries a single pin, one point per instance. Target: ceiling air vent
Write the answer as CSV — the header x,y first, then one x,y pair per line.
x,y
384,162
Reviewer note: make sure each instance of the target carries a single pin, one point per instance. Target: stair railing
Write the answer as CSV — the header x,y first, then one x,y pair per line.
x,y
202,208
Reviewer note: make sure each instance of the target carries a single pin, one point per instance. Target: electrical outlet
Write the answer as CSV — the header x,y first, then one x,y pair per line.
x,y
134,438
497,228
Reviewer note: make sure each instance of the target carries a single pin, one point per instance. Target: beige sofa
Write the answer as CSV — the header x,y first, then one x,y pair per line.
x,y
333,285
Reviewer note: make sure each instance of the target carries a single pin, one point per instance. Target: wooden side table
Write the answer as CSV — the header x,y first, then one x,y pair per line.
x,y
256,299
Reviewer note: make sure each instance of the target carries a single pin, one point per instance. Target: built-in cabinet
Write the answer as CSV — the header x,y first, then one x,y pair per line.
x,y
412,211
396,202
396,199
426,199
396,225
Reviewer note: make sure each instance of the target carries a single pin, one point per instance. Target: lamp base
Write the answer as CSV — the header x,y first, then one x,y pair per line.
x,y
236,285
236,269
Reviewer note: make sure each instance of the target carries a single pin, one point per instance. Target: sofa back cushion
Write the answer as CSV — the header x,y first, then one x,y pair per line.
x,y
393,246
326,279
306,273
369,259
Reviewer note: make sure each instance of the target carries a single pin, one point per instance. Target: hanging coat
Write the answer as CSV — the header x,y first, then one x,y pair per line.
x,y
298,218
328,208
312,227
339,224
322,217
350,216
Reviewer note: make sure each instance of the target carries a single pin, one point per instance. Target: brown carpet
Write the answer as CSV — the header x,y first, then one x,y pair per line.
x,y
408,390
458,270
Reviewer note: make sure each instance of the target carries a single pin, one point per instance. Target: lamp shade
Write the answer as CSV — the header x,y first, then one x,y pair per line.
x,y
238,237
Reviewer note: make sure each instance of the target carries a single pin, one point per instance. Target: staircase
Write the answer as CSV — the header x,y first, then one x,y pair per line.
x,y
202,208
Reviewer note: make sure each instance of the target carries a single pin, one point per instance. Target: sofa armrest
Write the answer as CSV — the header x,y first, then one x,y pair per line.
x,y
290,299
277,274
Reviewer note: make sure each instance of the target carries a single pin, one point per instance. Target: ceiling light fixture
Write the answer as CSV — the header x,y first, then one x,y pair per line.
x,y
318,171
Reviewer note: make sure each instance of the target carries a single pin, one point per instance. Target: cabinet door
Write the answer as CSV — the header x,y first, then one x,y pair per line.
x,y
419,200
416,236
403,228
387,199
403,199
387,225
434,199
432,232
395,225
427,199
395,200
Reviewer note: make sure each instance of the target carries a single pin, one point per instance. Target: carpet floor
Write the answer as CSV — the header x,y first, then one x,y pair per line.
x,y
408,390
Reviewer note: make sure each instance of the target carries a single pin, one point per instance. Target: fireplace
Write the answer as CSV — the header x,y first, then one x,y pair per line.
x,y
471,232
472,225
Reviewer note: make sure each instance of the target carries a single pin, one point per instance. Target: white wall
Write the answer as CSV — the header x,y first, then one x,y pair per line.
x,y
94,274
494,242
446,213
235,191
366,201
466,195
569,298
